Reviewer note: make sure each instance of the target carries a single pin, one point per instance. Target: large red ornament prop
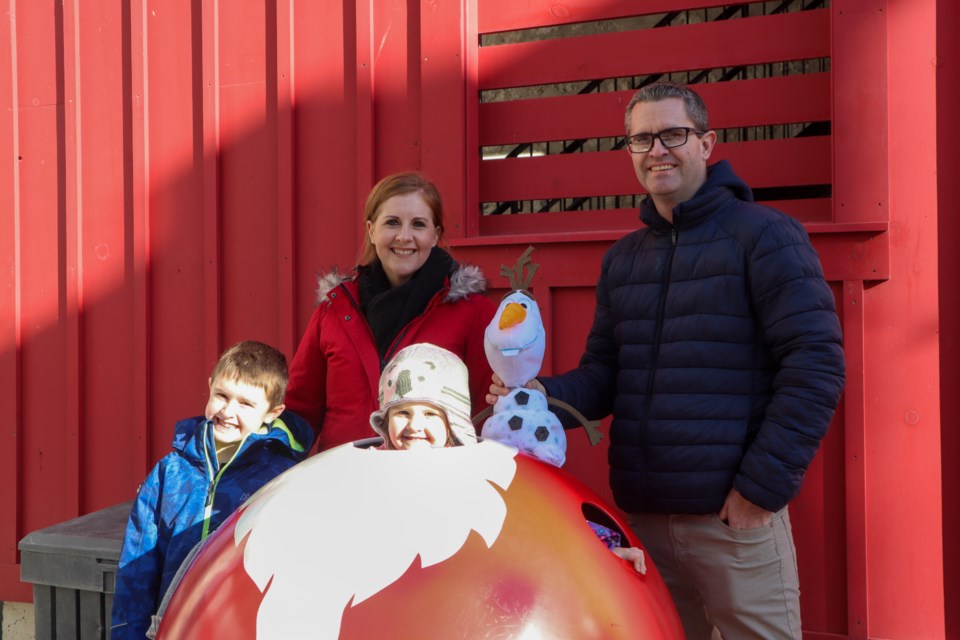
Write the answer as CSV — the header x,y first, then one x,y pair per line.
x,y
466,542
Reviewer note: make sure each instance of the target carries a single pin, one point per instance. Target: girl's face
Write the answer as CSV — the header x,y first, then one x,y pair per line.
x,y
403,233
415,425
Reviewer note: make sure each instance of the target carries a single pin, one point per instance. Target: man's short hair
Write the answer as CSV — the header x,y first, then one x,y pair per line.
x,y
692,102
256,364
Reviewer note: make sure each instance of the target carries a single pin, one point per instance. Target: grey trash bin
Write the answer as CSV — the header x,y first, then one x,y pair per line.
x,y
73,568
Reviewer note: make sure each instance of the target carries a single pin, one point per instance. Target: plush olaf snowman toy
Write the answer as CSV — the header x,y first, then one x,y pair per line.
x,y
514,343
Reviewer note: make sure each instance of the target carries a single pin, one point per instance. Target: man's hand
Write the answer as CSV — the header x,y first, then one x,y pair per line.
x,y
740,513
497,389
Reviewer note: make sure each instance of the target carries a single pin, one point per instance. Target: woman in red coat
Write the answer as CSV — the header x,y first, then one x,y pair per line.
x,y
405,289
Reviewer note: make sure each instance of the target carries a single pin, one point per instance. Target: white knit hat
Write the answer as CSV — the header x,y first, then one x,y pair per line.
x,y
427,373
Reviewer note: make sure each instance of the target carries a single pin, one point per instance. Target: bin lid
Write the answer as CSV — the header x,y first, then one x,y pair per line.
x,y
99,534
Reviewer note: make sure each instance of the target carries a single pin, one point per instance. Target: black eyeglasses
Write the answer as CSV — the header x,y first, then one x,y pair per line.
x,y
669,138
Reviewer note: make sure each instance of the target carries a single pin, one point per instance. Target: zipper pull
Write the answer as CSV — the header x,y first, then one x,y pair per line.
x,y
211,490
673,236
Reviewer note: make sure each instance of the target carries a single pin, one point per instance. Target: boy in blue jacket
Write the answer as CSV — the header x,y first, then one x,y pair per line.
x,y
219,459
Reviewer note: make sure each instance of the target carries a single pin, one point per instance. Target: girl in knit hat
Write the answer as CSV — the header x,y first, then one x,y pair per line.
x,y
424,400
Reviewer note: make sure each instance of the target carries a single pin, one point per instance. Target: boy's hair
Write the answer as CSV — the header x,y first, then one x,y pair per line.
x,y
257,364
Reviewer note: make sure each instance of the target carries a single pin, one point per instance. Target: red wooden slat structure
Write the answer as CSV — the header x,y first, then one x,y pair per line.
x,y
174,174
774,38
763,101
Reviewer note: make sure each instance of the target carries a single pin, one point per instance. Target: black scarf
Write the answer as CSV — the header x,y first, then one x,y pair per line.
x,y
389,309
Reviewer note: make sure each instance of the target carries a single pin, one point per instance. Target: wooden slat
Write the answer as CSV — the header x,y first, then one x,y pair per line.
x,y
860,71
855,449
183,195
210,64
743,103
105,278
66,611
72,210
769,163
510,15
92,623
137,212
396,87
332,106
363,94
43,338
247,127
471,57
43,612
793,36
581,222
443,106
284,99
811,212
948,229
10,312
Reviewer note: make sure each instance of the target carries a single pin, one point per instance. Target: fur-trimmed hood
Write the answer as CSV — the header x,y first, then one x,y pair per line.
x,y
465,279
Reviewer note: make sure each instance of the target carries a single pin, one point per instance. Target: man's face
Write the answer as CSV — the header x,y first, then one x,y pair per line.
x,y
671,176
237,409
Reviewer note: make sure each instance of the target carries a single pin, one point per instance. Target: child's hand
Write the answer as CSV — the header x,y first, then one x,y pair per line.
x,y
634,555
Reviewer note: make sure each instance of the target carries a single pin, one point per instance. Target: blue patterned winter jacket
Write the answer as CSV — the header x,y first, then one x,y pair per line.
x,y
716,346
186,497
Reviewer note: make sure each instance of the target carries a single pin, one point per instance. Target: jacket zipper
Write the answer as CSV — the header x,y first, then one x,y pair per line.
x,y
648,400
661,307
213,477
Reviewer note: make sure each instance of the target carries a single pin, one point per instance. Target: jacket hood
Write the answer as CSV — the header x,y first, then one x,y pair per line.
x,y
721,183
288,428
464,280
721,174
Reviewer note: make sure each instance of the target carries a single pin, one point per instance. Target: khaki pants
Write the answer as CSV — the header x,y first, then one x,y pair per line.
x,y
744,582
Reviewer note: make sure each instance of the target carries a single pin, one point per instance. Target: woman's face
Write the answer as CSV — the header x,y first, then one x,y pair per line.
x,y
416,425
403,233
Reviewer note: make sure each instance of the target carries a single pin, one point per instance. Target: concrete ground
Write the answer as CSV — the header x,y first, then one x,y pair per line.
x,y
17,621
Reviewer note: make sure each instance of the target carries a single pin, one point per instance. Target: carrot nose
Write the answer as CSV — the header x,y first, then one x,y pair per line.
x,y
513,314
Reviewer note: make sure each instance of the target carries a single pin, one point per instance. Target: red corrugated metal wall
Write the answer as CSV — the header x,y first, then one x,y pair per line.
x,y
174,174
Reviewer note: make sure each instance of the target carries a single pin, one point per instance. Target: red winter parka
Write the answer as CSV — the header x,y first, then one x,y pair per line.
x,y
336,371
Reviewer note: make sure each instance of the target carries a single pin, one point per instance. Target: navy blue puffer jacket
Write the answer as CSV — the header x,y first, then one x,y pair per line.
x,y
717,348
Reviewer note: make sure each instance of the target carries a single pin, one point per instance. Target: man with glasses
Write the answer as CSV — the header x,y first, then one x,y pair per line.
x,y
716,346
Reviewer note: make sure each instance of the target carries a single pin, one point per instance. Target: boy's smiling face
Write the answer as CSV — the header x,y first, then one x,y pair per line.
x,y
417,425
237,409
